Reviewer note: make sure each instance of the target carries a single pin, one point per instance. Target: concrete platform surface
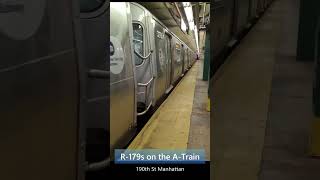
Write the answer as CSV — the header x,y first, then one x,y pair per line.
x,y
199,134
286,148
240,101
168,128
262,104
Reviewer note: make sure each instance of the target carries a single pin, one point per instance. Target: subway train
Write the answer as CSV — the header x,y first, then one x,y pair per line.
x,y
55,74
231,20
146,61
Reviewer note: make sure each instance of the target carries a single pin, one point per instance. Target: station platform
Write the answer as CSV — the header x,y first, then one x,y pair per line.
x,y
181,121
262,104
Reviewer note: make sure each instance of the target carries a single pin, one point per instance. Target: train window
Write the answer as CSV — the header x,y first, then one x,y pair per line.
x,y
138,42
90,5
178,52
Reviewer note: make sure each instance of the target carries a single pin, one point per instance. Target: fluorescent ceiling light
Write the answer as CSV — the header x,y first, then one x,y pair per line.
x,y
196,36
189,13
183,25
188,10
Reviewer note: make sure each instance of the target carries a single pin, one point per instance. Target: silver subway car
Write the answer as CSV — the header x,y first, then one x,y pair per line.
x,y
122,81
146,61
160,58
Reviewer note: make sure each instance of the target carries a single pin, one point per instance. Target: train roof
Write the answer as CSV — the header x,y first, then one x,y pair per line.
x,y
165,27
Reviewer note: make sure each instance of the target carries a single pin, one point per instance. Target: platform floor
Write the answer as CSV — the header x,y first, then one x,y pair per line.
x,y
199,134
286,146
262,106
240,102
169,126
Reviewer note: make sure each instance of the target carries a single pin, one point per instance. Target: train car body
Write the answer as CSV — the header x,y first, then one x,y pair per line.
x,y
122,77
185,58
161,57
142,52
55,96
146,61
177,59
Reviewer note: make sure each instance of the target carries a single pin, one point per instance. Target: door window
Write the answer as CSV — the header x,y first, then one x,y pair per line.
x,y
138,42
178,52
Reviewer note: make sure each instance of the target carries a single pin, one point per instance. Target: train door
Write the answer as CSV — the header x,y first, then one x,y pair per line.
x,y
142,57
169,62
183,58
177,62
161,60
188,59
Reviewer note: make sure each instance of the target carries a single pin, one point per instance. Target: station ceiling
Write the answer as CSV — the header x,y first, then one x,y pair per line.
x,y
170,14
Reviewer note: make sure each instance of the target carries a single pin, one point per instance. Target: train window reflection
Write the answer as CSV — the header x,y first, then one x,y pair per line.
x,y
138,42
90,5
178,52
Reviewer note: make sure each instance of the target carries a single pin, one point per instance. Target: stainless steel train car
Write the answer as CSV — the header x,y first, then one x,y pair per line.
x,y
122,78
146,61
231,19
54,85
